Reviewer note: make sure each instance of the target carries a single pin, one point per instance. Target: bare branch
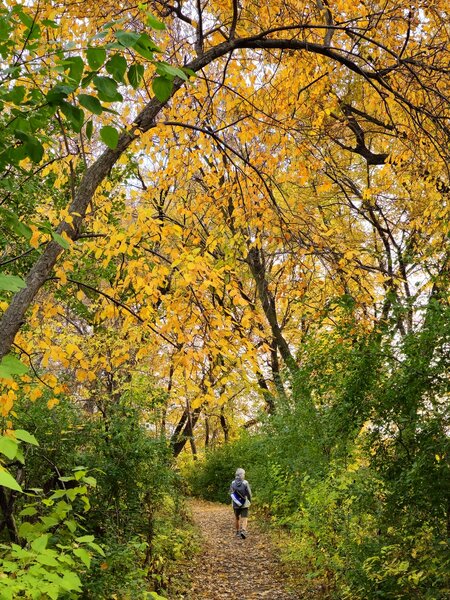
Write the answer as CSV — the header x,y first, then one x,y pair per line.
x,y
234,19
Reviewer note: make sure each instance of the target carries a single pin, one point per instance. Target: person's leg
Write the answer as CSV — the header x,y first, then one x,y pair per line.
x,y
236,520
243,524
237,523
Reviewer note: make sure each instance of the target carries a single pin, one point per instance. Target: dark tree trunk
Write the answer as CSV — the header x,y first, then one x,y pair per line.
x,y
224,424
8,521
184,431
257,266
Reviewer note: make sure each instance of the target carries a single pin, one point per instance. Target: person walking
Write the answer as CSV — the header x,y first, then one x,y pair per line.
x,y
241,495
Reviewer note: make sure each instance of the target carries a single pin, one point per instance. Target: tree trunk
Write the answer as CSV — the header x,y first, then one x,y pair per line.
x,y
206,432
224,424
184,430
7,506
255,261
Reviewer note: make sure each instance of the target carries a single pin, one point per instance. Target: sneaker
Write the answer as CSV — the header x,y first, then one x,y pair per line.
x,y
243,534
238,534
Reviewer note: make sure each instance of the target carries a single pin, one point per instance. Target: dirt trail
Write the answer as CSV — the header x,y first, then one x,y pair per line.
x,y
229,568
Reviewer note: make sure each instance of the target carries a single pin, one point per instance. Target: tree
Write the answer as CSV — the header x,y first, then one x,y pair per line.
x,y
279,181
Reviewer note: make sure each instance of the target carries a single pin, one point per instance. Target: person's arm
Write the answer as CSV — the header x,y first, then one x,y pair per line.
x,y
249,491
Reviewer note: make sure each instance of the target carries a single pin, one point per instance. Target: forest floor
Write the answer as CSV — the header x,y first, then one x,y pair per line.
x,y
229,568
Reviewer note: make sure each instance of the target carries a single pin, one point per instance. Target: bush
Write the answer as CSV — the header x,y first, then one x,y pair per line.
x,y
355,466
134,510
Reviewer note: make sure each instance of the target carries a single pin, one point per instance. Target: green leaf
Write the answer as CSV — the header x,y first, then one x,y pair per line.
x,y
33,33
86,502
61,509
10,365
20,456
35,150
25,436
145,46
11,283
75,64
127,38
30,511
110,136
5,30
95,57
72,493
85,539
100,35
8,446
17,154
27,530
97,548
89,129
90,481
84,556
58,494
16,95
162,88
40,543
49,522
80,474
107,89
88,78
49,561
117,66
91,103
24,18
166,70
8,481
135,75
15,224
50,23
71,525
59,93
154,23
32,146
71,582
60,240
21,126
74,115
113,23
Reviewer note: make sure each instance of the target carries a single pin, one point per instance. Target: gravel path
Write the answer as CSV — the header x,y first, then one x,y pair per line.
x,y
229,568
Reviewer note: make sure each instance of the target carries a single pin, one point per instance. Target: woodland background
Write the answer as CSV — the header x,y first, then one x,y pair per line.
x,y
224,241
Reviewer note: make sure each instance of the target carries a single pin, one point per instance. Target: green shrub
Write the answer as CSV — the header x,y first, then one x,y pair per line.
x,y
136,501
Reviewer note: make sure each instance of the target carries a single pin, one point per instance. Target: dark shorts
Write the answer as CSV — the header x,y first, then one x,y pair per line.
x,y
241,512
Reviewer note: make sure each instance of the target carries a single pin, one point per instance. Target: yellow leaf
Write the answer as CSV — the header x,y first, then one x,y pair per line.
x,y
6,404
34,240
196,402
70,349
35,394
81,375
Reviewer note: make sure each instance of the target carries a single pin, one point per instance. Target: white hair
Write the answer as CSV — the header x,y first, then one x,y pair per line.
x,y
240,473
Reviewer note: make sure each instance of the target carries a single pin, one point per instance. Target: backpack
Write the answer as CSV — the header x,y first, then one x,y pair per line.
x,y
238,499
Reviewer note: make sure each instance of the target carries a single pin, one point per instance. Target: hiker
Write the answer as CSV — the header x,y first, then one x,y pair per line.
x,y
241,494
